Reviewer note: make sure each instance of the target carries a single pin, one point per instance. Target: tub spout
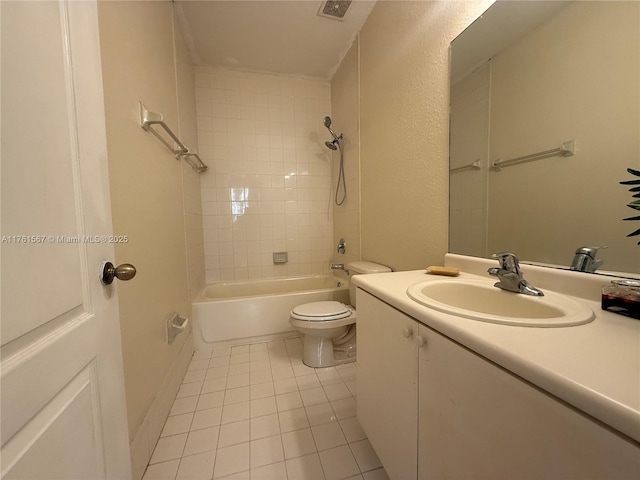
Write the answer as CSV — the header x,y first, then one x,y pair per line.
x,y
339,266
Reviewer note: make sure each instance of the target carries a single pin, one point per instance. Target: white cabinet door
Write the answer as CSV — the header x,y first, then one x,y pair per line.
x,y
63,409
387,384
479,421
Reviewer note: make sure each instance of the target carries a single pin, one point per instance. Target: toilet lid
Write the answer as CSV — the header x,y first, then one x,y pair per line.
x,y
320,311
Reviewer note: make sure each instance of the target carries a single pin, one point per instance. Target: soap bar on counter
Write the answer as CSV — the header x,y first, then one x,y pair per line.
x,y
448,271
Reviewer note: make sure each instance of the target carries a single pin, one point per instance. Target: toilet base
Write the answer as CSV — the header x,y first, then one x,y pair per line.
x,y
319,352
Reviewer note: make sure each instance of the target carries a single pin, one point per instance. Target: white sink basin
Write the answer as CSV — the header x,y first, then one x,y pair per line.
x,y
482,301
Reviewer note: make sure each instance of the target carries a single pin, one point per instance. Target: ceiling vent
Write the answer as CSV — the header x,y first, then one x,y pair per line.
x,y
334,9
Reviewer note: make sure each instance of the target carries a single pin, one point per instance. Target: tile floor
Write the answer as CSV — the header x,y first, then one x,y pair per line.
x,y
257,412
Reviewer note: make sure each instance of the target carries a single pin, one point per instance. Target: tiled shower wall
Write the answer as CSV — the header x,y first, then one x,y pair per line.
x,y
268,188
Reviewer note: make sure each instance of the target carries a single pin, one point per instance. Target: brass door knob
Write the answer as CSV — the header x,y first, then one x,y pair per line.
x,y
108,272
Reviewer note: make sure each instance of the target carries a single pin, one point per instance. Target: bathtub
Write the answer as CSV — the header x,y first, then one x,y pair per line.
x,y
232,311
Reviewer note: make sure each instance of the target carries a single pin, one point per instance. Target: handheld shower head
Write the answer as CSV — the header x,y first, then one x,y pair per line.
x,y
331,145
327,123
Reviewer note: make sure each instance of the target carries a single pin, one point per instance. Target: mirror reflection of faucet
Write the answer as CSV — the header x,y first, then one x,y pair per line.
x,y
510,276
584,259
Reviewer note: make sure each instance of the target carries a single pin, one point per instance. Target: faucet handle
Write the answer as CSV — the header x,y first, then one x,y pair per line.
x,y
508,261
591,251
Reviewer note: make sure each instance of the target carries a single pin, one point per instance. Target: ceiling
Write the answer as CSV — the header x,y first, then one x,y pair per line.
x,y
283,37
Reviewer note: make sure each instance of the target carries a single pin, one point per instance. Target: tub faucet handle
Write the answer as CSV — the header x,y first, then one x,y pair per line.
x,y
339,266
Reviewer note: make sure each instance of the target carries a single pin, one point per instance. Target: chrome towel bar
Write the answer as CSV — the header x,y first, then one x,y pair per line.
x,y
148,118
475,165
567,149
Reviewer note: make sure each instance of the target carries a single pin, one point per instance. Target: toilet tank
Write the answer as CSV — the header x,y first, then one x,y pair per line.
x,y
356,268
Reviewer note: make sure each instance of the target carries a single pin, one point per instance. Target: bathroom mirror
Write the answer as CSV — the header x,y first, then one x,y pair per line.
x,y
558,79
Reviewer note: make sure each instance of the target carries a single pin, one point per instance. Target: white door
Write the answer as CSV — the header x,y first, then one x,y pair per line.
x,y
63,412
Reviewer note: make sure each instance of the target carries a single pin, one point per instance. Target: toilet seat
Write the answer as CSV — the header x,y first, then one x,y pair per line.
x,y
321,311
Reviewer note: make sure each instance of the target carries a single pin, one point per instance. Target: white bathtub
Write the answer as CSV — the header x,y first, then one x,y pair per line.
x,y
230,311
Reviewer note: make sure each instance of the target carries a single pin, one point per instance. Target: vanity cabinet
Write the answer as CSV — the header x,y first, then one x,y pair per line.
x,y
435,410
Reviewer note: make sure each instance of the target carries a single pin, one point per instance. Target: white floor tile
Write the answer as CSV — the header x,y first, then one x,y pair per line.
x,y
352,429
235,412
344,408
291,420
235,381
184,405
236,395
305,382
197,467
198,365
210,400
194,376
221,352
162,471
313,396
202,440
214,385
238,349
288,401
261,376
177,424
216,362
263,406
239,368
336,391
256,412
265,426
365,456
298,443
266,451
206,418
281,373
262,390
275,471
239,358
338,463
168,448
307,468
234,433
217,372
286,385
189,389
328,435
320,413
230,460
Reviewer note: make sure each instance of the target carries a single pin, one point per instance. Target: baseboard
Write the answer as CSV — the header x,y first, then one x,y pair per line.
x,y
149,432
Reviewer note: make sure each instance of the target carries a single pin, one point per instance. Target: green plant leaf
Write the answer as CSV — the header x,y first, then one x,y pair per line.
x,y
630,182
632,218
633,172
633,234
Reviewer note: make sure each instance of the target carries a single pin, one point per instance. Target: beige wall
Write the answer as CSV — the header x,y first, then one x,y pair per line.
x,y
345,112
146,192
404,92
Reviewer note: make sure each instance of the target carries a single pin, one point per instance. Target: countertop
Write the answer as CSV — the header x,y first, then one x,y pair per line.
x,y
594,367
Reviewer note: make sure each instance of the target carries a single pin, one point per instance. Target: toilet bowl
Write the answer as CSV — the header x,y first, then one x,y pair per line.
x,y
329,328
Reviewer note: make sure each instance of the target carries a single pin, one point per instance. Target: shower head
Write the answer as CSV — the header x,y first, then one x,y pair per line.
x,y
327,123
332,145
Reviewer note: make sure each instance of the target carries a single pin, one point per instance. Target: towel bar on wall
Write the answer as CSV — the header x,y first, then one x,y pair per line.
x,y
147,119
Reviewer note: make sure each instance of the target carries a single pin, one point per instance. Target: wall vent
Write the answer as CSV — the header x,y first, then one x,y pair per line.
x,y
334,9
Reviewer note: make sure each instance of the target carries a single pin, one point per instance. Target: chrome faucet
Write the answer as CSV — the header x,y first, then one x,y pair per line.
x,y
339,266
585,259
510,275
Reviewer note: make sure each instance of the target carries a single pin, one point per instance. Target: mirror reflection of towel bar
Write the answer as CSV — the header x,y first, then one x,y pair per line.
x,y
475,165
567,149
147,119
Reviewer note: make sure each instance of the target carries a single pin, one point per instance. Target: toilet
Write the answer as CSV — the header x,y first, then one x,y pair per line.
x,y
329,327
